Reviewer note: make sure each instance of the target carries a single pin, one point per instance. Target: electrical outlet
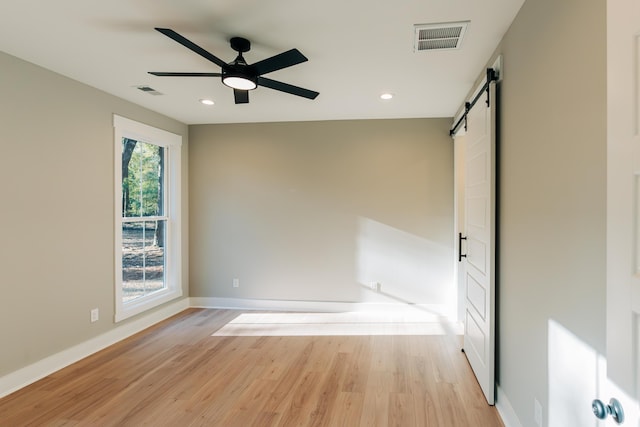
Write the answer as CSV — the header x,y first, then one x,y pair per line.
x,y
95,315
236,283
537,412
375,286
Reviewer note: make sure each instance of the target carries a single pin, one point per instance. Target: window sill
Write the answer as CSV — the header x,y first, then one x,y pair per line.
x,y
137,306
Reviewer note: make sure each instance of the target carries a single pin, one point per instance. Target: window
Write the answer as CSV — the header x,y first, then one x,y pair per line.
x,y
147,241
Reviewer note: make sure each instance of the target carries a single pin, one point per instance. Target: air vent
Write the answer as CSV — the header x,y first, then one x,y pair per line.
x,y
447,35
149,90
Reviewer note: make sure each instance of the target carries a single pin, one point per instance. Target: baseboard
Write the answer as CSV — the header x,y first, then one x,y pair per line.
x,y
438,311
36,371
508,415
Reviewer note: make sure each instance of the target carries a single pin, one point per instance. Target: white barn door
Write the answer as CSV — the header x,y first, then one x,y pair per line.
x,y
478,245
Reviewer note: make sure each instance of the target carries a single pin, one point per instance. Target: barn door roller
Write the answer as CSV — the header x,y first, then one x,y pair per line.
x,y
492,76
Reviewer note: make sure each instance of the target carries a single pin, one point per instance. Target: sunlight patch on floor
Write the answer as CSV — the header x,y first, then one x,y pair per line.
x,y
337,324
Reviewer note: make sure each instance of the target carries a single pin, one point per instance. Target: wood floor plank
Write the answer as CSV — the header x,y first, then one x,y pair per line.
x,y
401,410
177,374
348,409
359,366
375,410
298,409
329,391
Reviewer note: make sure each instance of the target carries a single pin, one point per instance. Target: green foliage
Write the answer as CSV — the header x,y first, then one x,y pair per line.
x,y
142,181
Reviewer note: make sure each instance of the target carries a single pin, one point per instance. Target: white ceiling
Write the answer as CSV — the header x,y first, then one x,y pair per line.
x,y
357,49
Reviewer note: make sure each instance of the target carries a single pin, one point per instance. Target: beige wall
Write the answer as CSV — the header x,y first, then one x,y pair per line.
x,y
314,211
57,220
552,208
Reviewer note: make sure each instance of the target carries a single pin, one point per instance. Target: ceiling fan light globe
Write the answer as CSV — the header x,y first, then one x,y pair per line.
x,y
237,82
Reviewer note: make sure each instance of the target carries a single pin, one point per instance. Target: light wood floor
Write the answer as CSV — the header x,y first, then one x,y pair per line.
x,y
177,374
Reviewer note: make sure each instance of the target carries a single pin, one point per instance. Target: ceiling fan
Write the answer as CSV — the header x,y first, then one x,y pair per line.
x,y
239,75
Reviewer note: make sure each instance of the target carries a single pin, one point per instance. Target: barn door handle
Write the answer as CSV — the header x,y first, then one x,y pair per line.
x,y
460,255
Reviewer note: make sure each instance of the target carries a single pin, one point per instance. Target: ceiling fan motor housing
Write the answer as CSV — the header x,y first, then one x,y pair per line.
x,y
238,74
240,44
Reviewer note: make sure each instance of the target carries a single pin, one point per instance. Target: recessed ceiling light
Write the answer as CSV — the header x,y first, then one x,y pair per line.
x,y
207,102
386,96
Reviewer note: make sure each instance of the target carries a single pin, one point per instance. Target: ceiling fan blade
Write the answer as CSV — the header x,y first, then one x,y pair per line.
x,y
179,74
241,96
278,62
284,87
191,45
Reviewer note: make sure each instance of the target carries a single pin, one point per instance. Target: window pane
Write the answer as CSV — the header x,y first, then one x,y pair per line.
x,y
132,260
143,258
142,179
154,256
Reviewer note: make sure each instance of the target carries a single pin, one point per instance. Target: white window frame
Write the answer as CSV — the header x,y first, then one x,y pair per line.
x,y
126,128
